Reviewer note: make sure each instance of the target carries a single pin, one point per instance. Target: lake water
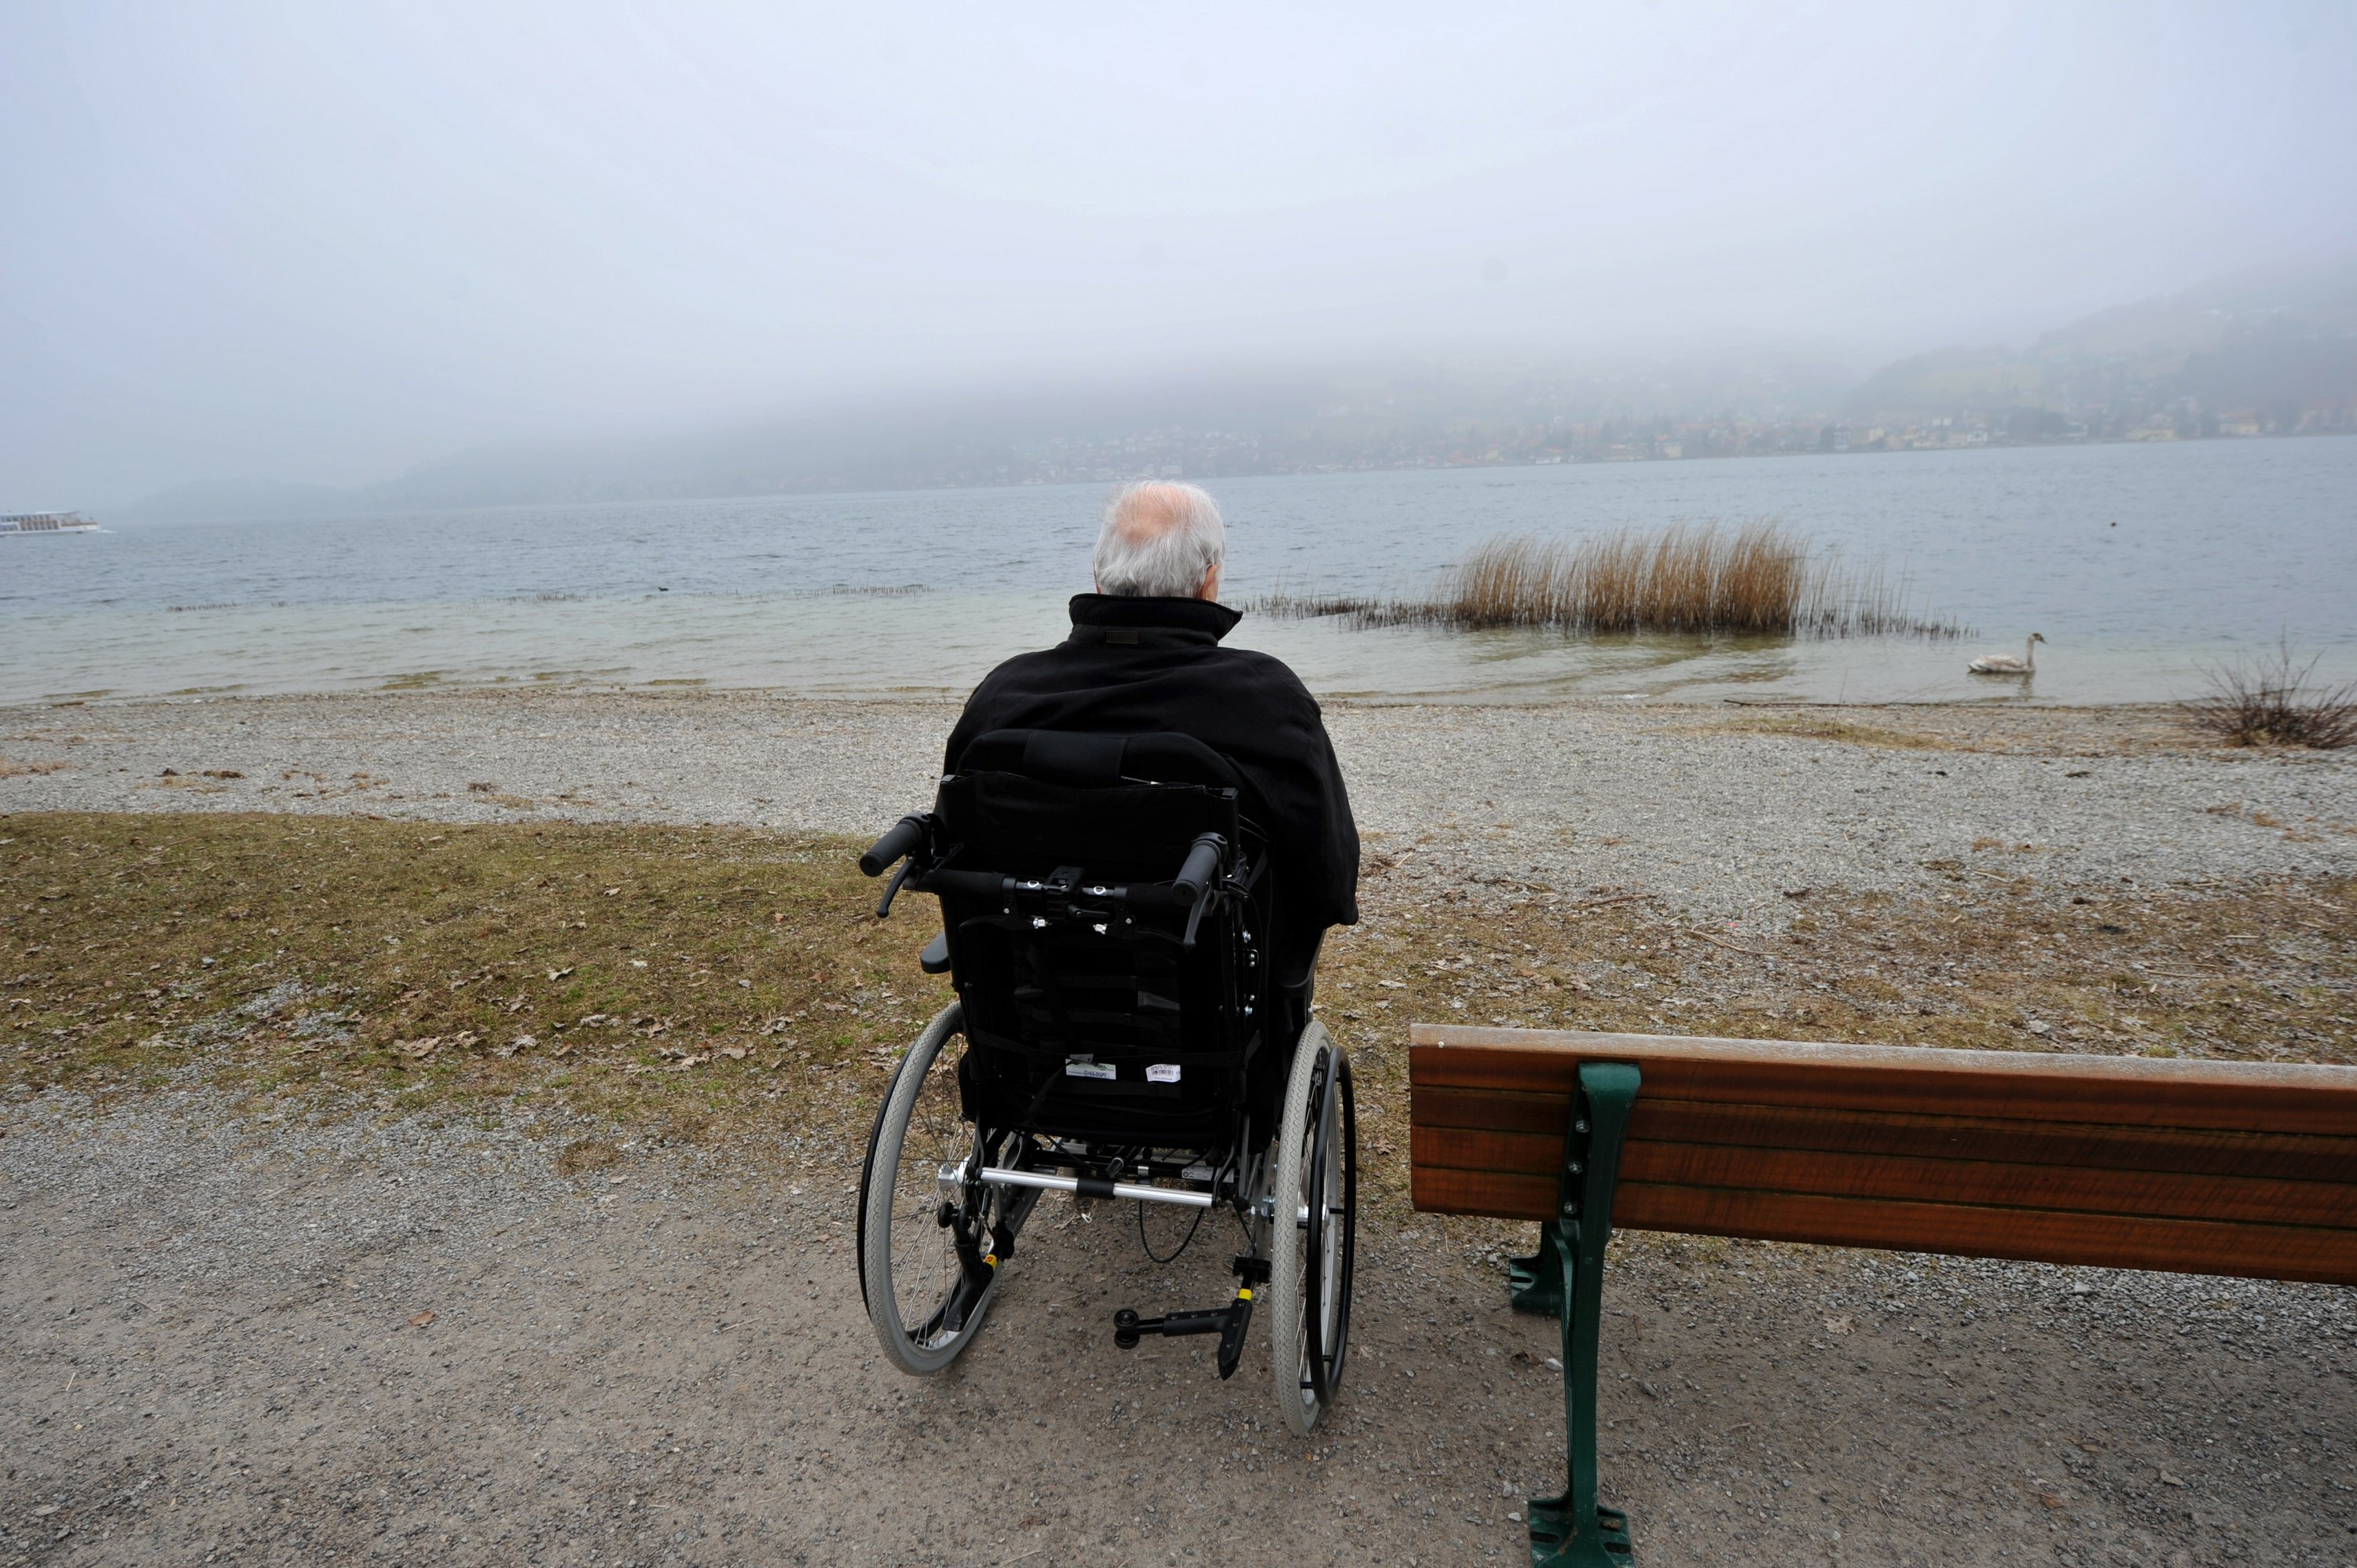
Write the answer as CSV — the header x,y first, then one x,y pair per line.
x,y
2141,564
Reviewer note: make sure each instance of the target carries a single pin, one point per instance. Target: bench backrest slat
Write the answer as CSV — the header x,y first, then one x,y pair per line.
x,y
2213,1167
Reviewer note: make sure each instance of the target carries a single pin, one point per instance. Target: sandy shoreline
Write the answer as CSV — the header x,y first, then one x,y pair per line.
x,y
1716,810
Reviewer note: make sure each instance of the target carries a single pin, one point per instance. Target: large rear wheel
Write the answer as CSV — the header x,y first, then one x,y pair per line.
x,y
927,1263
1313,1229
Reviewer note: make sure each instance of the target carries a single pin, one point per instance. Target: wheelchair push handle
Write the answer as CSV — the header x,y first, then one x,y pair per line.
x,y
1202,864
1193,882
905,837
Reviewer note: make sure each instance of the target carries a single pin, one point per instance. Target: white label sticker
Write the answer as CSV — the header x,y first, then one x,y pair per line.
x,y
1162,1072
1088,1067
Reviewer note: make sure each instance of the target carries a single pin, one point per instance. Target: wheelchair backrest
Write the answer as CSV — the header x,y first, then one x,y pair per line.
x,y
1098,761
1088,1014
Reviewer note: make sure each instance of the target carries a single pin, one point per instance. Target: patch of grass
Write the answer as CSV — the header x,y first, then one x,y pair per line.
x,y
2264,973
695,979
586,1155
1821,727
772,1000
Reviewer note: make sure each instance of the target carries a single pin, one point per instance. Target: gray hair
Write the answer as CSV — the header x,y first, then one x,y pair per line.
x,y
1157,540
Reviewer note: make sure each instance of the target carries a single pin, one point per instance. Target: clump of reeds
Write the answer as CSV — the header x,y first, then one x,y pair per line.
x,y
1756,581
2273,701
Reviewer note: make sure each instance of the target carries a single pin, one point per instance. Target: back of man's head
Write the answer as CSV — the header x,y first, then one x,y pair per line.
x,y
1161,541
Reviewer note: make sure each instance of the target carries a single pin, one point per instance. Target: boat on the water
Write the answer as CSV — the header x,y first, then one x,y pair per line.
x,y
46,522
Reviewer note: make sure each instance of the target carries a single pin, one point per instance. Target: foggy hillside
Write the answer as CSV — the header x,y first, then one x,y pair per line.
x,y
2278,344
2275,344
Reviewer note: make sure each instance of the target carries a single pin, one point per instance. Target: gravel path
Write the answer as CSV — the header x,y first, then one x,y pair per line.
x,y
218,1351
217,1333
1665,799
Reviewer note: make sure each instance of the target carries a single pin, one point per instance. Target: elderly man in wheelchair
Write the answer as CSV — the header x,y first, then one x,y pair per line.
x,y
1138,840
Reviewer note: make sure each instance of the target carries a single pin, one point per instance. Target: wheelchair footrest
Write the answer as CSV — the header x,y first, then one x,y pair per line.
x,y
1229,1322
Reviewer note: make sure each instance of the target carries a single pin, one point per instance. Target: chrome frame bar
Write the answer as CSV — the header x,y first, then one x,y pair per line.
x,y
954,1176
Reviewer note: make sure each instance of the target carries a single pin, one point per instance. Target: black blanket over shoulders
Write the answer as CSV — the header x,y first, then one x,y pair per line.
x,y
1139,666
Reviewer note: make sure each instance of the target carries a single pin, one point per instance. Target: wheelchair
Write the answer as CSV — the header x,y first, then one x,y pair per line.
x,y
1123,1031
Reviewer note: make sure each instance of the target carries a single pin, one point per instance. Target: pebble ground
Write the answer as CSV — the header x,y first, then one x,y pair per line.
x,y
218,1330
1681,802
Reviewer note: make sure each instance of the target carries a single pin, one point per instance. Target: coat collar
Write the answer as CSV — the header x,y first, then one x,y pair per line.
x,y
1164,621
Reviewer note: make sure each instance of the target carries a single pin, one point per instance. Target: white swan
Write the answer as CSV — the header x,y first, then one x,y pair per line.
x,y
2007,664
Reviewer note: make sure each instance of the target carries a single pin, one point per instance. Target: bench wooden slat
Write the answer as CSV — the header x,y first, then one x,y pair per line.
x,y
2002,1181
2098,1241
2231,1168
1540,1118
2035,1086
1500,1195
2114,1242
1506,1109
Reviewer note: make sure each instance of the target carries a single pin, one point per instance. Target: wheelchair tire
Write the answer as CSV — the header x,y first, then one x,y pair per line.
x,y
1313,1230
924,1312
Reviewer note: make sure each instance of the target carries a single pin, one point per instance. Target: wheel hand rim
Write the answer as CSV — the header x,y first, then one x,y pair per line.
x,y
926,1271
1311,1255
924,1302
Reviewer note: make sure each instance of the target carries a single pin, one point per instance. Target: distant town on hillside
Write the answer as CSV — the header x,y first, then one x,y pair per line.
x,y
2233,360
2229,362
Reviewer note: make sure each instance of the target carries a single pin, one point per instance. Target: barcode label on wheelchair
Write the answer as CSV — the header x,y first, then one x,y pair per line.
x,y
1088,1067
1162,1072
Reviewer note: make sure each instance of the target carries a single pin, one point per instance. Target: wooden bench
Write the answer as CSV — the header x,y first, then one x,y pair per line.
x,y
2117,1162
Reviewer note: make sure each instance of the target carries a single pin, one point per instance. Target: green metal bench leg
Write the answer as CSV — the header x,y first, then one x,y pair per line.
x,y
1536,1283
1571,1530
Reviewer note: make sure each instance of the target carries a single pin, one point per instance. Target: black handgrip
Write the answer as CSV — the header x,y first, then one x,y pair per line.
x,y
1202,864
973,884
1193,882
907,835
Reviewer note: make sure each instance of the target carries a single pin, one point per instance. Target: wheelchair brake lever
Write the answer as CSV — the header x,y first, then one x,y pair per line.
x,y
1195,917
893,889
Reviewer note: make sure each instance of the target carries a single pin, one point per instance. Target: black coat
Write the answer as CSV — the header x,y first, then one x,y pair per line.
x,y
1136,666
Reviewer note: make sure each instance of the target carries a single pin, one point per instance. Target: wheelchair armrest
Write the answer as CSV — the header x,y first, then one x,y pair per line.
x,y
935,959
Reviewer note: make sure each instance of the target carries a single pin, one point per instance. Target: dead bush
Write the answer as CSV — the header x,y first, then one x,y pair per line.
x,y
2275,701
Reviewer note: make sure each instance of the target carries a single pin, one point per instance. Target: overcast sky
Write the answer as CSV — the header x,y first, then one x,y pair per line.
x,y
325,241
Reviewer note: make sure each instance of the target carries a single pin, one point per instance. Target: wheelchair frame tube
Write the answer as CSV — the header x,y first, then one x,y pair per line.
x,y
957,1175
